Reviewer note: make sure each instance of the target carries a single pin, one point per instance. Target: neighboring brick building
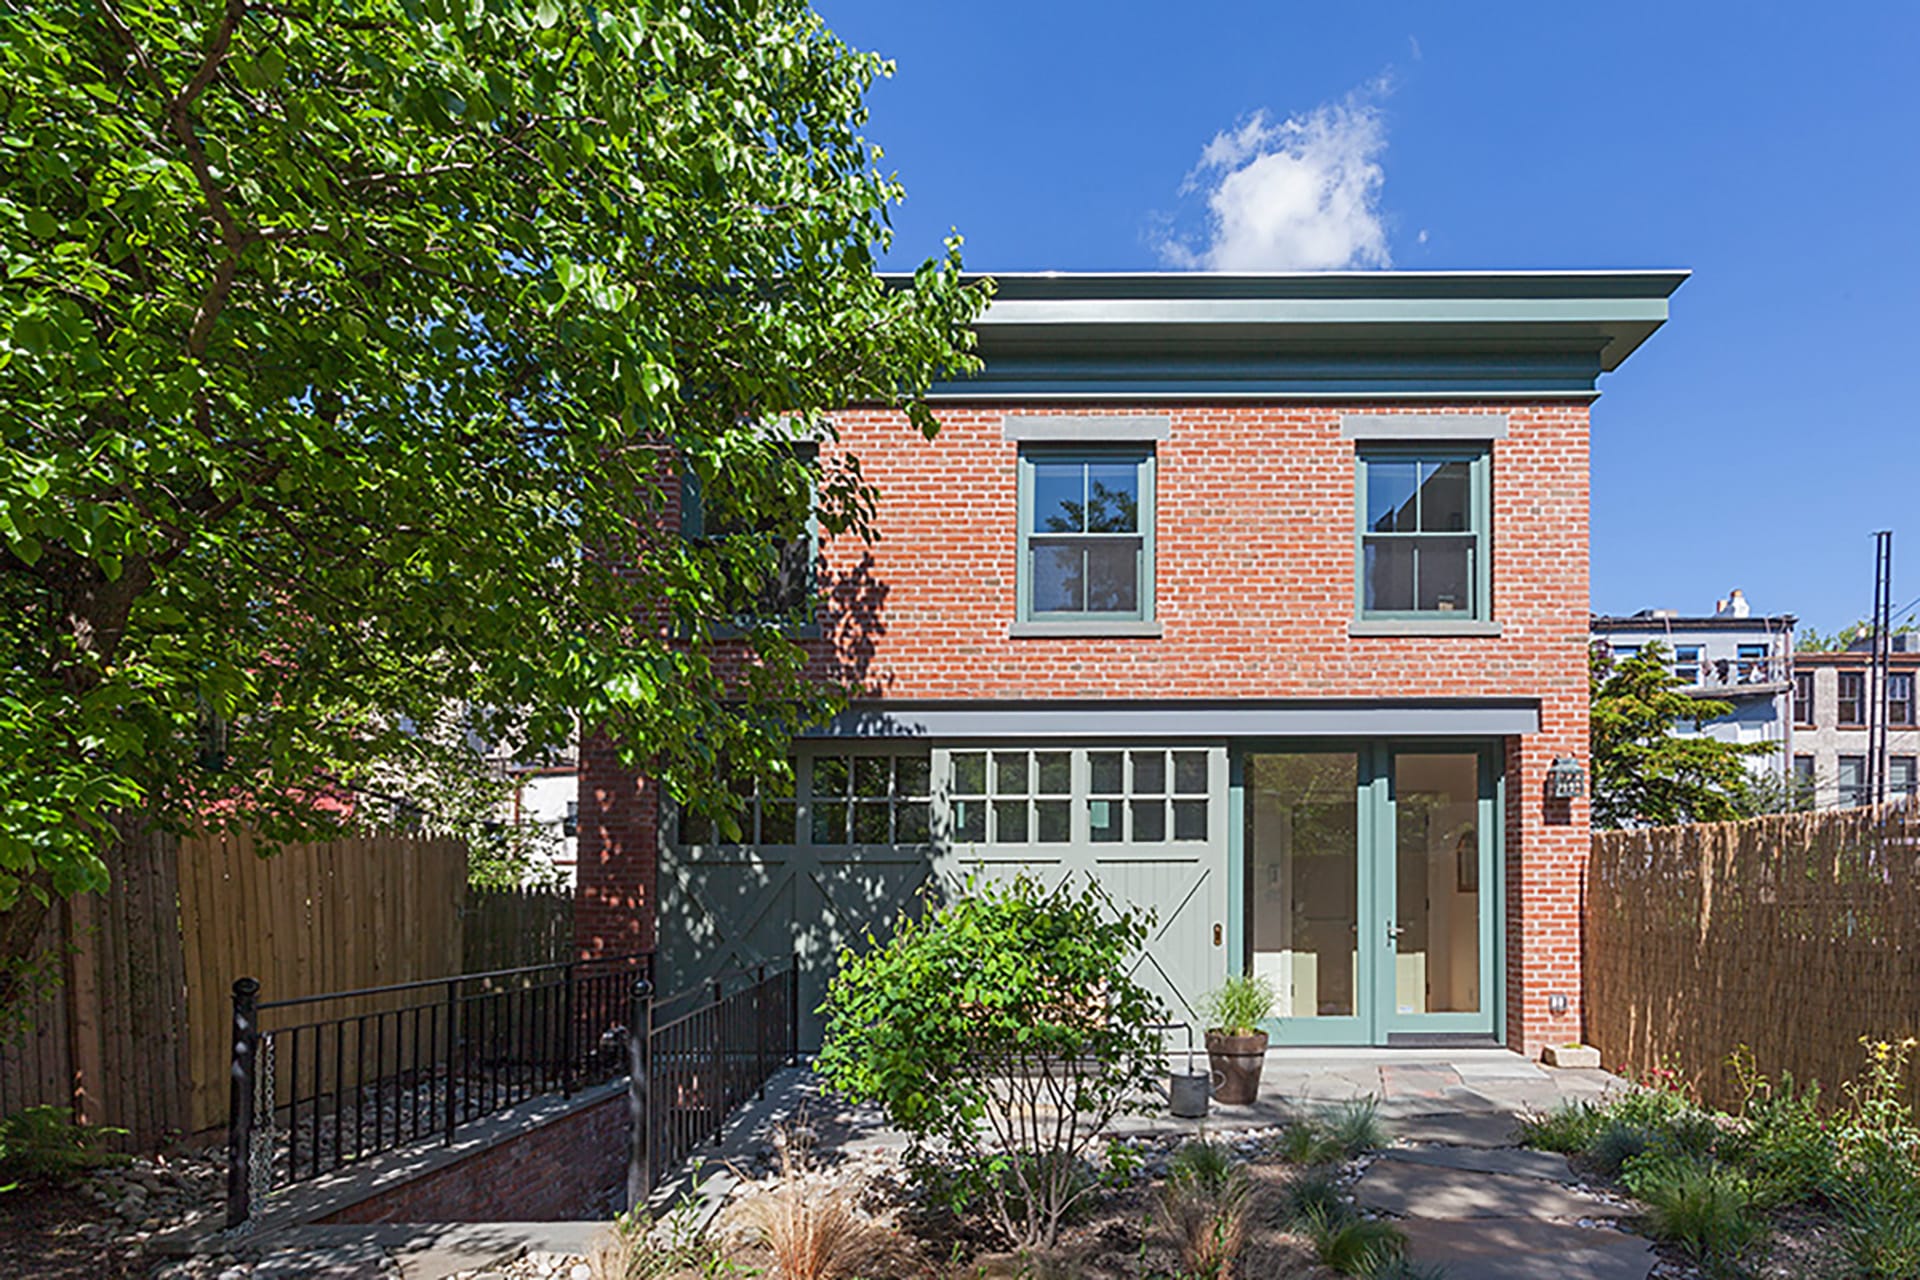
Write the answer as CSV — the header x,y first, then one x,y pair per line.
x,y
1260,599
1832,705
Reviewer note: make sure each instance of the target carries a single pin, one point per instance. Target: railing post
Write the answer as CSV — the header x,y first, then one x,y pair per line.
x,y
639,1113
453,1013
793,1011
240,1118
718,1094
566,1032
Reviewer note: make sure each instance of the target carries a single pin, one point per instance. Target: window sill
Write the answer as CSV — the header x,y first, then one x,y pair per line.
x,y
1132,628
1421,627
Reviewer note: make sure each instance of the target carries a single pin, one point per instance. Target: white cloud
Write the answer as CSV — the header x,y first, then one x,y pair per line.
x,y
1300,195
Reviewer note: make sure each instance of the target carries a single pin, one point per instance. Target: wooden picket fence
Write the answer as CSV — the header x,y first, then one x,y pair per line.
x,y
133,1030
1794,936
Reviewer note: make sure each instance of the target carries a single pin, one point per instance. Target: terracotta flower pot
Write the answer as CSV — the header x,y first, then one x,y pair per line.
x,y
1236,1063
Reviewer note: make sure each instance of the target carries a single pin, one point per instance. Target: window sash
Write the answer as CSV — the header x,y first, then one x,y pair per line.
x,y
1476,539
1853,698
1141,538
1803,697
1899,698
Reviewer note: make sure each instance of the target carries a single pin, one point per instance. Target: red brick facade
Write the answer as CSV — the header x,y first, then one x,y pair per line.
x,y
1254,592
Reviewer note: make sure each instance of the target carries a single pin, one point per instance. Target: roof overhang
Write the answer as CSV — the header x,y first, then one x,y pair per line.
x,y
1369,334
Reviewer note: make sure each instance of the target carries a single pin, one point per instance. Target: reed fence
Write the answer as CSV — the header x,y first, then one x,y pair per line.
x,y
1794,936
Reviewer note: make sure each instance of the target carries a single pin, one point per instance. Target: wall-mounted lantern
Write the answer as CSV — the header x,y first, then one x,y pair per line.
x,y
1565,781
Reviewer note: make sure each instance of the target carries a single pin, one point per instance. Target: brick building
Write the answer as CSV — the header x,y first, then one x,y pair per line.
x,y
1262,600
1833,694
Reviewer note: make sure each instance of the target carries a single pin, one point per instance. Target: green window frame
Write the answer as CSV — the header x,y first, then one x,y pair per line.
x,y
1431,527
1044,468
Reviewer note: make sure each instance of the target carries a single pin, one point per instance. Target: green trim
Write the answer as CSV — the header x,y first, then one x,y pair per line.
x,y
1480,458
1027,621
1375,980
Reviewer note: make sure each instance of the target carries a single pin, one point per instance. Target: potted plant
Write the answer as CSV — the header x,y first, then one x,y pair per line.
x,y
1236,1046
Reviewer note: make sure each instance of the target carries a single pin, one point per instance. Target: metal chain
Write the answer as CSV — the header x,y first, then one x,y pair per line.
x,y
260,1173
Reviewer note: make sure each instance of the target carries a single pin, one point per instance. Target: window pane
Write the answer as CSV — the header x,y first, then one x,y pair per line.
x,y
912,774
912,824
970,773
1113,497
1150,821
1010,821
1391,486
1113,576
870,822
1104,773
1009,773
1059,577
1056,772
1389,576
1444,573
1446,497
1901,775
970,821
1052,821
1190,773
830,776
1149,773
1189,819
829,822
1103,821
872,777
777,824
1059,497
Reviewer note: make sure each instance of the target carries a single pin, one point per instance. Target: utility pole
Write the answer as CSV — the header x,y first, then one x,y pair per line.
x,y
1882,661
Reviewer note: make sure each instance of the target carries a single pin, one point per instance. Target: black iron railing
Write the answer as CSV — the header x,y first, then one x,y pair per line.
x,y
321,1081
710,1049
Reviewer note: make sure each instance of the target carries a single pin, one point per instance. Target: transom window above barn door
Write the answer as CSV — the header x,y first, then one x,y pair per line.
x,y
836,798
1424,517
1146,796
1011,797
1086,535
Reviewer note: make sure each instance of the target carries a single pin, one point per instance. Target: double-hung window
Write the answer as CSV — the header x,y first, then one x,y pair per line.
x,y
1853,697
1803,698
1686,663
1086,535
1900,698
1855,787
1424,534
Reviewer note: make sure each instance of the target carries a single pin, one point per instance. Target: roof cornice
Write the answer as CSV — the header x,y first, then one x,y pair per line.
x,y
1320,335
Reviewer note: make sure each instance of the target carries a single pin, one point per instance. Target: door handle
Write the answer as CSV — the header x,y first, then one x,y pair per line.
x,y
1216,935
1394,930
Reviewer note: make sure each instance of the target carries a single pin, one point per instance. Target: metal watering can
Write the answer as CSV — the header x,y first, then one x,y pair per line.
x,y
1189,1092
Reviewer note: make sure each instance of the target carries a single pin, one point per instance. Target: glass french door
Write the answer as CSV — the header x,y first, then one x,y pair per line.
x,y
1371,895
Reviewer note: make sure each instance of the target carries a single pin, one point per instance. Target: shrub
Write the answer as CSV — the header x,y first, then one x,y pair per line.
x,y
1569,1128
1306,1141
1239,1005
1204,1203
637,1248
1355,1127
1006,1029
43,1144
1354,1246
1616,1143
1879,1165
1314,1194
1698,1205
814,1233
1783,1143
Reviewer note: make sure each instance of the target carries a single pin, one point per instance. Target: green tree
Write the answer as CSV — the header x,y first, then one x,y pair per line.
x,y
1643,771
1811,641
351,357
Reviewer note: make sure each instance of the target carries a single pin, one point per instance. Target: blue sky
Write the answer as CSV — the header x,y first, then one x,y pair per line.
x,y
1755,442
